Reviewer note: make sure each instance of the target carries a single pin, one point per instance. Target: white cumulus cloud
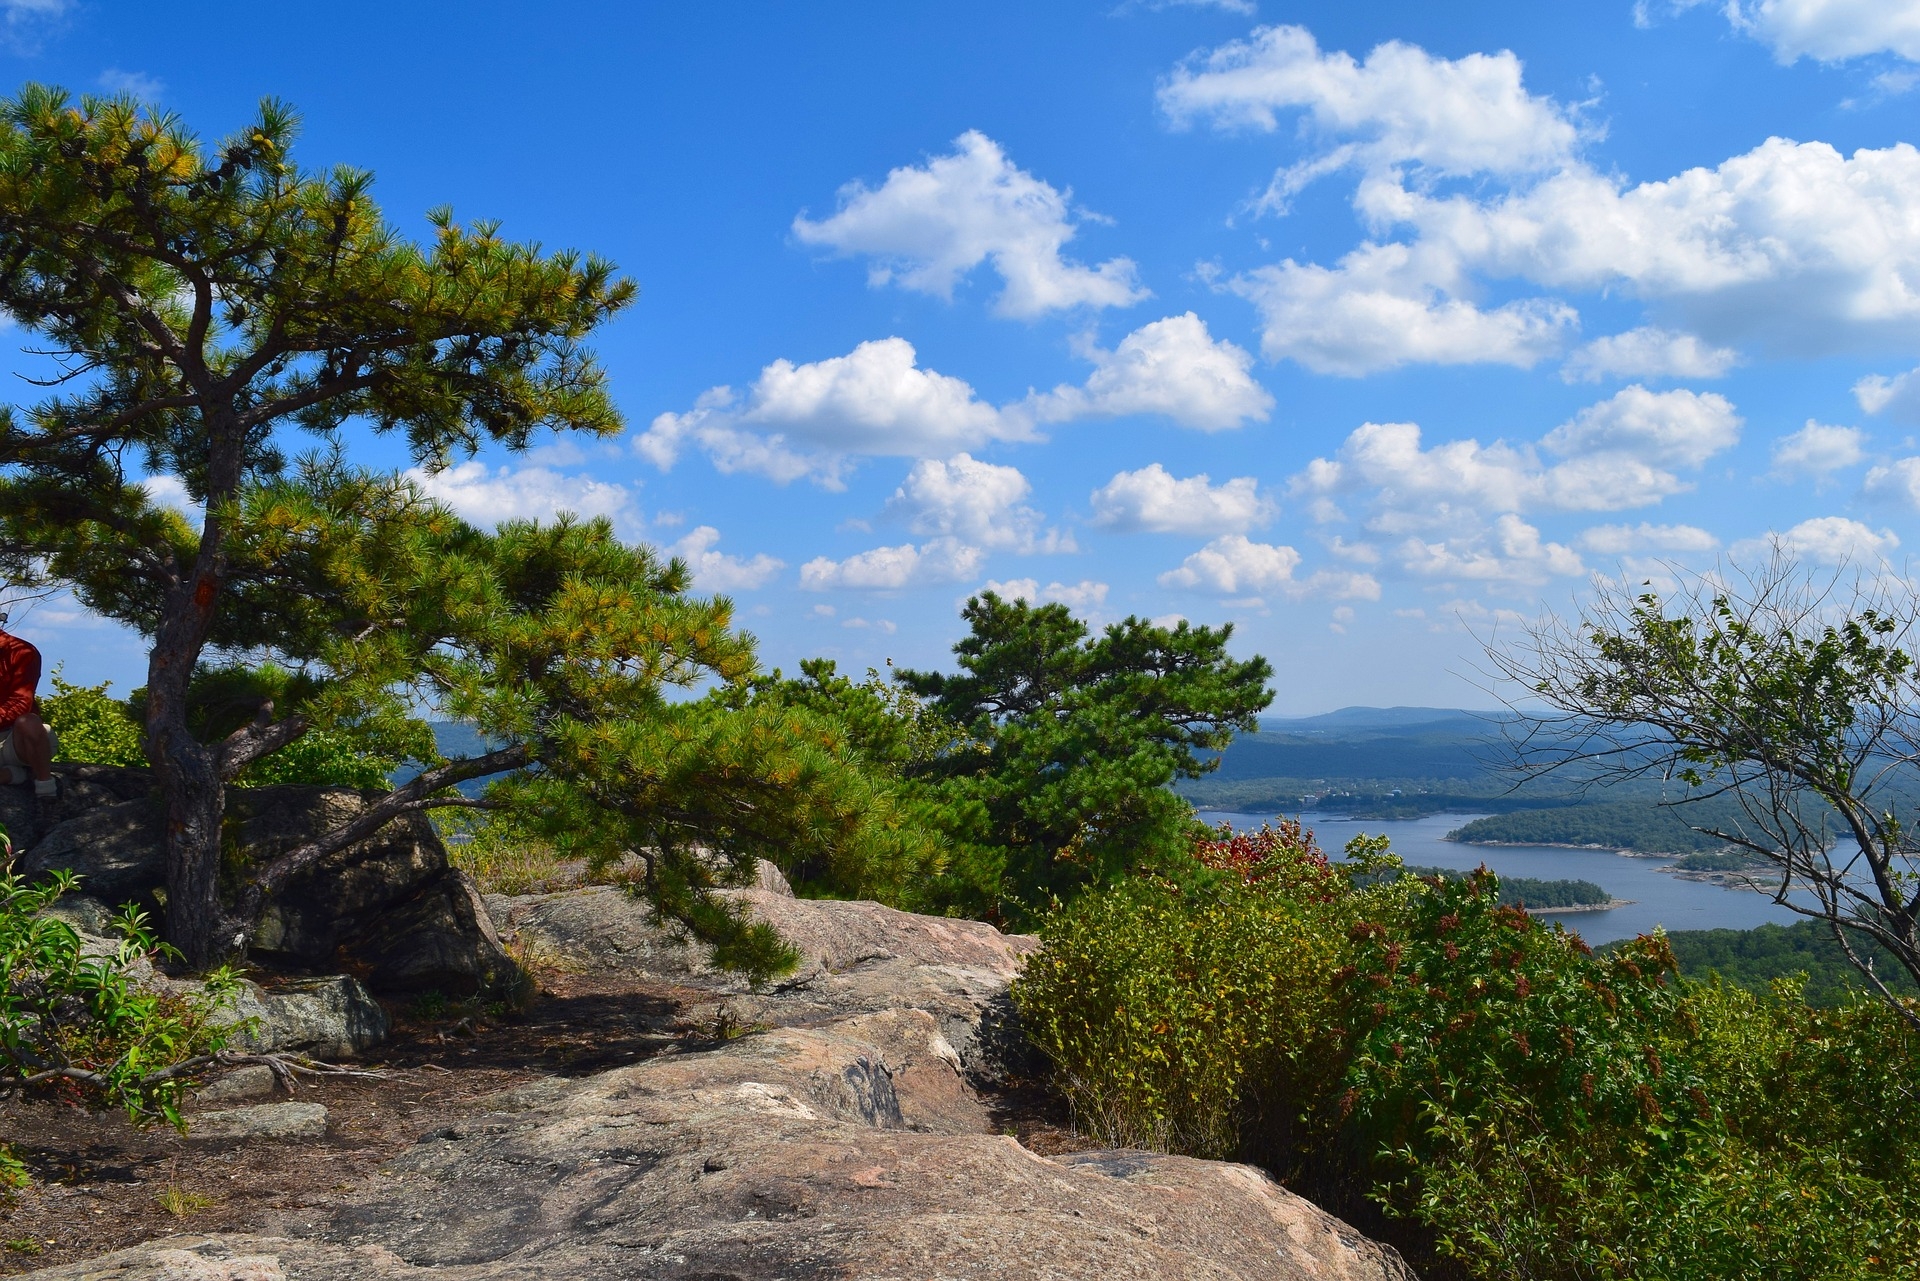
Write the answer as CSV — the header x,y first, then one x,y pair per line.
x,y
1830,30
805,420
1155,500
715,571
927,227
1824,540
170,491
1620,540
1511,552
1385,306
983,504
1667,428
486,496
1897,481
1173,368
1615,454
1233,564
1897,397
1817,449
1081,596
941,560
1402,105
1648,352
1792,246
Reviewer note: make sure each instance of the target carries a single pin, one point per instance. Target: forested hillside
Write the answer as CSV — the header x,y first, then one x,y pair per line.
x,y
1645,827
1754,958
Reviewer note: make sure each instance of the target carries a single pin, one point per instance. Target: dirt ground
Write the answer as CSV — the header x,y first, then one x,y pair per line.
x,y
101,1184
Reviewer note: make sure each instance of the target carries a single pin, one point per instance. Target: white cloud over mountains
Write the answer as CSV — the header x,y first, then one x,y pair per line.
x,y
802,420
927,227
1234,564
1152,499
1512,551
809,420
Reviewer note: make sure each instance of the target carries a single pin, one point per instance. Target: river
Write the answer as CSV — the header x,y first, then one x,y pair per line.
x,y
1658,898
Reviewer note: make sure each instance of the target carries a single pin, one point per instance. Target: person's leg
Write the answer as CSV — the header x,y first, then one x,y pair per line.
x,y
31,745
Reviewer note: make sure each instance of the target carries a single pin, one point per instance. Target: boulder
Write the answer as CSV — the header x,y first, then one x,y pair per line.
x,y
83,789
254,1081
856,957
389,907
330,1018
440,939
261,1121
118,850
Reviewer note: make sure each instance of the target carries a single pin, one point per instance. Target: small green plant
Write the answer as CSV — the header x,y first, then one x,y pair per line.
x,y
180,1203
76,1026
24,1245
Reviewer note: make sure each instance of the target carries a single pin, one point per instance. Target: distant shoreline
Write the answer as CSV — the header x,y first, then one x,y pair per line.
x,y
1569,845
1607,906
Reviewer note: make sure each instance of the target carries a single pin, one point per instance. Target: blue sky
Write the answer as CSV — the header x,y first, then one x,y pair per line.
x,y
1370,328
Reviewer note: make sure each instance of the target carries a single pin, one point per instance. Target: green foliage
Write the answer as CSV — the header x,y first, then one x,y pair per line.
x,y
1786,695
92,725
1646,827
206,303
74,1025
1068,744
318,758
1522,1107
1754,959
1527,891
1724,861
1182,1019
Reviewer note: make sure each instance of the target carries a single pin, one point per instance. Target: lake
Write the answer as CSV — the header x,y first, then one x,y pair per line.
x,y
1659,898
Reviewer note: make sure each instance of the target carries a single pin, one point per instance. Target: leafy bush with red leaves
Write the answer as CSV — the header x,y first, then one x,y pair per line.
x,y
1517,1106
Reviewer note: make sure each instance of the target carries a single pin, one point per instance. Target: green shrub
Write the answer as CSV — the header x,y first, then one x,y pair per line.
x,y
320,759
95,727
1183,1020
92,725
1517,1105
76,1027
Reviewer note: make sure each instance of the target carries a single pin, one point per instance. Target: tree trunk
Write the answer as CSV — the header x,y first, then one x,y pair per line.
x,y
197,922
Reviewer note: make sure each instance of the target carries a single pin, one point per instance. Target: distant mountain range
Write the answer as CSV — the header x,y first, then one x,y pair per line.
x,y
1368,743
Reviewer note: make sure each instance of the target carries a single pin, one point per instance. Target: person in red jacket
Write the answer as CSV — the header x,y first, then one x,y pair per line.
x,y
26,744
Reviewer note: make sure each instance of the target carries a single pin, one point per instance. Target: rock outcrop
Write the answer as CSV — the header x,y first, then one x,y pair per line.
x,y
843,1140
329,1017
856,958
390,908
